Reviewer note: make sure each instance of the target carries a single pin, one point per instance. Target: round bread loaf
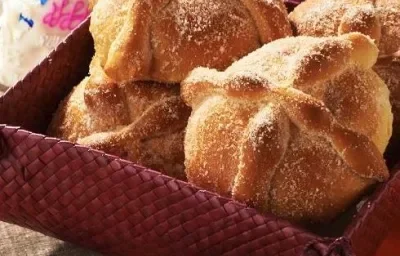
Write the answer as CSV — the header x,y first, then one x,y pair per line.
x,y
297,127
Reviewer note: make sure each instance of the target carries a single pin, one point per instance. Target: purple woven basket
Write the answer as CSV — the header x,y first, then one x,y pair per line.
x,y
115,207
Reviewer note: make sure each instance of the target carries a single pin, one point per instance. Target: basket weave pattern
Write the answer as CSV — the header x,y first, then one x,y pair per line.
x,y
113,206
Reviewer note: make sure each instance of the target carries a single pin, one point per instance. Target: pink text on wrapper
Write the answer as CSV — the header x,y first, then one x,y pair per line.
x,y
65,15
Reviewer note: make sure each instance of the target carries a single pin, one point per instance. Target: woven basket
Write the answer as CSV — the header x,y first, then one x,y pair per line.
x,y
115,207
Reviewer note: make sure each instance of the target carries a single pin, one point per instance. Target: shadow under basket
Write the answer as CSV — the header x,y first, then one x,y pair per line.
x,y
115,207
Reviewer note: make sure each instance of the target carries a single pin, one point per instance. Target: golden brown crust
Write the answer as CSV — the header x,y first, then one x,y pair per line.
x,y
132,44
273,27
200,165
380,19
102,96
388,68
314,18
211,39
390,19
185,34
289,118
389,13
305,191
263,147
103,26
362,19
147,128
77,127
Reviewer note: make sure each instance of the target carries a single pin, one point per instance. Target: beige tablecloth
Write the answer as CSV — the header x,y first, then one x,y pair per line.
x,y
16,241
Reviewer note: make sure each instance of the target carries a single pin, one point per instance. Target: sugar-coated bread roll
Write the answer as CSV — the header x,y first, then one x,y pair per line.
x,y
297,128
130,104
162,40
140,121
379,19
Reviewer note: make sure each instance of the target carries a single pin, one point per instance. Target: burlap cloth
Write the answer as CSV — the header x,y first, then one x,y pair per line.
x,y
16,241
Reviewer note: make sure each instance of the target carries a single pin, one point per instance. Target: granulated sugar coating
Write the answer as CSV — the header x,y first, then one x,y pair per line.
x,y
201,33
163,40
303,121
379,19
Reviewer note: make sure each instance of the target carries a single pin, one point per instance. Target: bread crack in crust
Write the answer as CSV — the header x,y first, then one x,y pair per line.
x,y
379,19
130,105
297,128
